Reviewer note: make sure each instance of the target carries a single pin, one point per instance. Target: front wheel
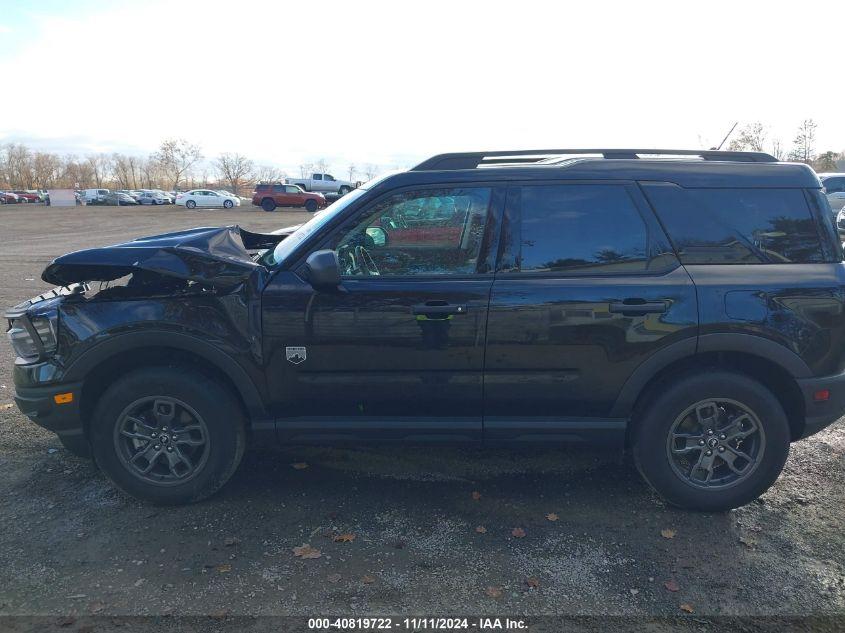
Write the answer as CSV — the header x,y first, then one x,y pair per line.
x,y
344,190
311,206
712,441
228,204
168,435
191,204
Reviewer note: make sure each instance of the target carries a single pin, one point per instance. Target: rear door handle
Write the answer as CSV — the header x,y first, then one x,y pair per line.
x,y
439,308
637,307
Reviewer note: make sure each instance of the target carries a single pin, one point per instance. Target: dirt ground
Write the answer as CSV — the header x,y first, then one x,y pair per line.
x,y
432,530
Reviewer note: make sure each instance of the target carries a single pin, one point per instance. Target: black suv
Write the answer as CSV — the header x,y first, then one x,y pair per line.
x,y
685,305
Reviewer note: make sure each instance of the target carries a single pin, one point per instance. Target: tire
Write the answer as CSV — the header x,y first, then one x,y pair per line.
x,y
344,190
191,204
208,430
22,200
311,206
77,445
228,204
735,396
268,204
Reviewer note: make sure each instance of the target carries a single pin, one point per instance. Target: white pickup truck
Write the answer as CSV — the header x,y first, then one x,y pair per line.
x,y
322,183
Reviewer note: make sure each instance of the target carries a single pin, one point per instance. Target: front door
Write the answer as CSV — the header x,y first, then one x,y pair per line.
x,y
397,351
588,289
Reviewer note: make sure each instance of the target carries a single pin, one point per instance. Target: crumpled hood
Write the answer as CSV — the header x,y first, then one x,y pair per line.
x,y
216,256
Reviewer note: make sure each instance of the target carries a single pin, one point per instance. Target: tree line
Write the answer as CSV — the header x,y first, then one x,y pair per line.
x,y
755,137
177,164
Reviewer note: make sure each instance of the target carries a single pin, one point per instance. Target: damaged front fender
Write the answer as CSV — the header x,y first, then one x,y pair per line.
x,y
219,257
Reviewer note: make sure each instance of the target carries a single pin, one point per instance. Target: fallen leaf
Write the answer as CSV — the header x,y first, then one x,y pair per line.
x,y
66,620
667,533
551,516
518,533
219,615
687,607
533,583
399,544
344,538
224,568
231,541
367,579
494,592
633,591
476,495
96,607
481,529
333,578
299,466
306,551
671,585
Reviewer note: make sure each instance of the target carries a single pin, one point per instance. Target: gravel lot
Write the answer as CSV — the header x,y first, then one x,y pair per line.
x,y
433,527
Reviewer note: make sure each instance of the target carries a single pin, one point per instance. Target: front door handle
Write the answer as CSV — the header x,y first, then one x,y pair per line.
x,y
439,308
638,307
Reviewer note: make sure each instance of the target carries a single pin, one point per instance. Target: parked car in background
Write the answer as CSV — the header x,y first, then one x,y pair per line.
x,y
152,197
129,192
93,196
116,198
206,198
834,189
7,197
269,196
323,183
27,196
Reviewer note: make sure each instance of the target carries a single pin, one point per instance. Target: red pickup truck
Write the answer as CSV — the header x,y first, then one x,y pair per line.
x,y
270,196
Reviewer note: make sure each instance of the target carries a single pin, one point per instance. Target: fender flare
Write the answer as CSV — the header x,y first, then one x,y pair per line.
x,y
748,344
122,343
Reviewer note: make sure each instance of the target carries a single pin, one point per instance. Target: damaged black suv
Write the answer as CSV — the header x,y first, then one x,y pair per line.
x,y
684,305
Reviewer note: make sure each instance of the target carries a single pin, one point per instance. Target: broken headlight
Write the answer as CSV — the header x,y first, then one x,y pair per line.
x,y
32,338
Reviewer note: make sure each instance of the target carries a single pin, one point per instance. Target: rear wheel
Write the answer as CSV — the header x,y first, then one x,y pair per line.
x,y
311,206
268,204
167,435
191,204
712,441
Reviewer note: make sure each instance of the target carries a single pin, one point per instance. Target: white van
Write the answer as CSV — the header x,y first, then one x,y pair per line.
x,y
93,196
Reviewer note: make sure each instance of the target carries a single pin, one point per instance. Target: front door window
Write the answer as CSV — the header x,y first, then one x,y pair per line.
x,y
429,232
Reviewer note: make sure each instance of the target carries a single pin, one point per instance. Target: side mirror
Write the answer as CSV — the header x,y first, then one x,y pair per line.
x,y
323,269
378,235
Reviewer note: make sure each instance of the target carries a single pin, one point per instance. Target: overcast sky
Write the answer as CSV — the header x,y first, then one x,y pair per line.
x,y
390,83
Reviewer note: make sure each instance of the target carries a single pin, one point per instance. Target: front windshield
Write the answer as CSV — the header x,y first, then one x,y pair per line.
x,y
292,241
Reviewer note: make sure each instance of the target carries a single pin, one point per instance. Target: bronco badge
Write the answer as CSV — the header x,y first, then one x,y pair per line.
x,y
295,355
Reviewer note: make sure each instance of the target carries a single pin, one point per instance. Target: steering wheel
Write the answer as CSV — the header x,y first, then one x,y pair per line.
x,y
365,262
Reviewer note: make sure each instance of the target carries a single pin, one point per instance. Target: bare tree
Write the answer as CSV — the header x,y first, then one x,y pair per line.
x,y
804,144
305,170
268,173
175,158
370,171
321,166
777,149
235,170
751,138
351,172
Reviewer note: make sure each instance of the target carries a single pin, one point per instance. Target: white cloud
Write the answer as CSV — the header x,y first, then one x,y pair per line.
x,y
391,82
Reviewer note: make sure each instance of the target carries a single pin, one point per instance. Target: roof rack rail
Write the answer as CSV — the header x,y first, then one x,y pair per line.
x,y
472,160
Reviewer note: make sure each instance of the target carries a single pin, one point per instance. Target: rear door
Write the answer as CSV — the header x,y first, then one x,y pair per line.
x,y
587,289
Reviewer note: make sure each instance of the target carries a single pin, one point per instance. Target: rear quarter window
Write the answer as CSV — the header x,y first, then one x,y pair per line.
x,y
737,226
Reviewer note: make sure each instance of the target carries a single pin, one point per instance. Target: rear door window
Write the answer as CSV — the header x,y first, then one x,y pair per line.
x,y
737,226
581,229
